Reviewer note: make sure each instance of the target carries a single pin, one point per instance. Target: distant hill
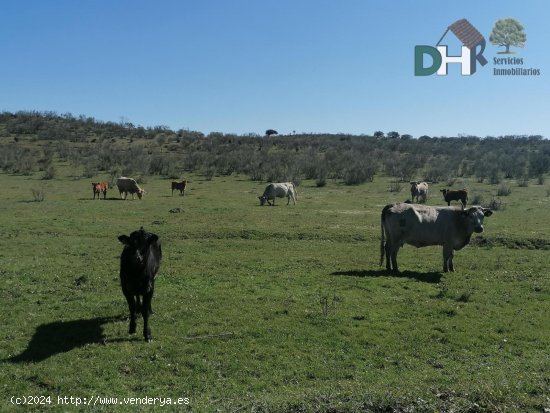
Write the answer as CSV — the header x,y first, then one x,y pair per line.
x,y
31,140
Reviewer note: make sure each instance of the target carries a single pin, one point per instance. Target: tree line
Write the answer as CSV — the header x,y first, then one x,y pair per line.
x,y
92,146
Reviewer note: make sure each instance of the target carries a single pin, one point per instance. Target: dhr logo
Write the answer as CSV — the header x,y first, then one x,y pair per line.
x,y
471,39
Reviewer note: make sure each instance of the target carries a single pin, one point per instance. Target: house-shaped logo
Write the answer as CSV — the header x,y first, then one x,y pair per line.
x,y
471,40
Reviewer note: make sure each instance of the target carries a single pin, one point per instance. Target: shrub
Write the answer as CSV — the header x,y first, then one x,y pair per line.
x,y
496,204
321,176
90,170
476,199
504,190
49,173
358,173
523,181
38,194
395,186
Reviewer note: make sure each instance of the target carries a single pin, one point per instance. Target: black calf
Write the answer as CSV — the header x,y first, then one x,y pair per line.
x,y
139,263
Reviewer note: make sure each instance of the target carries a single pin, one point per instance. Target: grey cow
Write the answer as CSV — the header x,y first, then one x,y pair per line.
x,y
279,190
422,226
129,185
420,191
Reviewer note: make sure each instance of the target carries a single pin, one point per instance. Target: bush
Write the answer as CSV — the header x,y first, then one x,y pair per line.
x,y
90,170
523,181
476,199
358,173
395,187
496,204
38,194
321,176
49,173
504,190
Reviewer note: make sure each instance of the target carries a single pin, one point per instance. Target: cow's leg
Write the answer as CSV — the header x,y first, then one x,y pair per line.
x,y
387,248
132,308
448,258
393,254
151,300
145,313
391,257
105,195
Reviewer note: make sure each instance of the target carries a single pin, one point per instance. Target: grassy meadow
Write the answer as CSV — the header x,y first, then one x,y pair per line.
x,y
271,309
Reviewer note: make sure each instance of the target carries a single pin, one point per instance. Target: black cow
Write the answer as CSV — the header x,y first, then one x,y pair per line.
x,y
455,195
139,263
180,186
270,132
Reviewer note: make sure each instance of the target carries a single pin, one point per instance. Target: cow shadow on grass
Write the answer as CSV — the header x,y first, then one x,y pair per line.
x,y
62,336
427,277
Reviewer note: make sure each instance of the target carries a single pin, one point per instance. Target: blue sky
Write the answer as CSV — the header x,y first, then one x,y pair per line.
x,y
241,66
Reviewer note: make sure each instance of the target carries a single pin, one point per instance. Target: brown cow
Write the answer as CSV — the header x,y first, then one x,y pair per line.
x,y
100,187
455,195
180,186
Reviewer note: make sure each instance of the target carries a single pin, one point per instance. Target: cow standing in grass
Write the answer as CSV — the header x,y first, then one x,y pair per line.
x,y
129,185
460,195
100,188
279,190
420,191
139,263
179,186
422,226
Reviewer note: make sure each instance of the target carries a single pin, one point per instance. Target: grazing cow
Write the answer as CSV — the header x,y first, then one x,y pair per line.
x,y
139,263
180,186
100,187
129,185
455,195
421,226
279,190
420,191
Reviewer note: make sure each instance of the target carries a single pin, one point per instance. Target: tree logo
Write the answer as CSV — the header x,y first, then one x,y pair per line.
x,y
508,32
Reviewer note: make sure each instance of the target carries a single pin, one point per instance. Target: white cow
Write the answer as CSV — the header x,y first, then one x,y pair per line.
x,y
422,226
420,191
129,185
279,190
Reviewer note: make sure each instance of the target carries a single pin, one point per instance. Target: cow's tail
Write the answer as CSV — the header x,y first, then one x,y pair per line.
x,y
382,233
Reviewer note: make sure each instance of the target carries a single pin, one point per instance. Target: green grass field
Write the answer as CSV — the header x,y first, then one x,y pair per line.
x,y
270,309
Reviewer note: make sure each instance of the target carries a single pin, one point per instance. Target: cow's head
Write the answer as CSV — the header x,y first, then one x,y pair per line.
x,y
444,191
140,193
137,243
475,216
263,200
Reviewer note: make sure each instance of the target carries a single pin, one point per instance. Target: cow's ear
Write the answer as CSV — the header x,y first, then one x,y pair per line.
x,y
487,212
125,239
